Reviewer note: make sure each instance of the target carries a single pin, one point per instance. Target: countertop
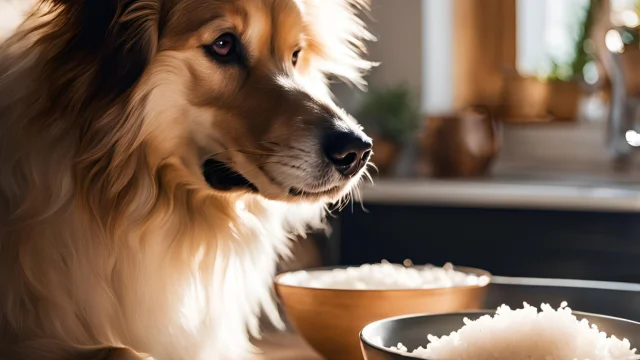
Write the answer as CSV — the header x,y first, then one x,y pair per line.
x,y
522,191
605,298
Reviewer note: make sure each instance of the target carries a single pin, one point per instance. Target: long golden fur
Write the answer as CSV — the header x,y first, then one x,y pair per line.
x,y
112,242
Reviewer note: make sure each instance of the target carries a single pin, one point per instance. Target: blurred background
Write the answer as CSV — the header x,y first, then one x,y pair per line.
x,y
506,135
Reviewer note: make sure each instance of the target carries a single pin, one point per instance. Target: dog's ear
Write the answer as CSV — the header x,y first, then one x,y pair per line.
x,y
338,37
106,44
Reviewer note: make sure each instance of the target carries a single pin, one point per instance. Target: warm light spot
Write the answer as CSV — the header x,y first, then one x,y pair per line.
x,y
630,18
590,73
614,42
633,138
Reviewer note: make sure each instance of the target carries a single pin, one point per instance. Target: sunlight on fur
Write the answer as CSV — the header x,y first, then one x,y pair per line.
x,y
157,157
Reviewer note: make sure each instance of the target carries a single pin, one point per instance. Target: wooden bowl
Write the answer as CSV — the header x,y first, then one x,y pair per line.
x,y
330,320
412,331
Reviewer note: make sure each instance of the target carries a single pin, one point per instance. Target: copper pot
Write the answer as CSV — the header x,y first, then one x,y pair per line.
x,y
463,145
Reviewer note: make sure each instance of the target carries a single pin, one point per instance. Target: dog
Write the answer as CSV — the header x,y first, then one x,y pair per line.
x,y
156,158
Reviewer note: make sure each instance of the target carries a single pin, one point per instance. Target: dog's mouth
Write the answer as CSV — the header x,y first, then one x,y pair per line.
x,y
297,192
222,177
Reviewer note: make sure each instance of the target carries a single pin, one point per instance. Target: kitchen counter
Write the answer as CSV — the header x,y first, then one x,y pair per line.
x,y
606,298
521,191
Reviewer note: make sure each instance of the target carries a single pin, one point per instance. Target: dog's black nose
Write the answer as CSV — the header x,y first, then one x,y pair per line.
x,y
347,151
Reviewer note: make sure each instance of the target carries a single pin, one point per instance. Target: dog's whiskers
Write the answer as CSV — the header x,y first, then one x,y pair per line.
x,y
287,146
262,154
359,195
303,171
374,167
349,199
258,153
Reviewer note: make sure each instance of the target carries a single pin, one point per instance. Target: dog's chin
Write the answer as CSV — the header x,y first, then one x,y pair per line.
x,y
222,177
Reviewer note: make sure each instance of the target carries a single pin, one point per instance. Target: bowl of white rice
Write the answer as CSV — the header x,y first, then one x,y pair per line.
x,y
527,333
330,306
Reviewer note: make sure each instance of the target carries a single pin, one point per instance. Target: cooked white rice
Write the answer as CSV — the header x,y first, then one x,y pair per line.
x,y
384,276
525,334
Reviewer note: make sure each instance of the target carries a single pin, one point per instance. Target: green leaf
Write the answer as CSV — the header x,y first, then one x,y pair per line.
x,y
391,113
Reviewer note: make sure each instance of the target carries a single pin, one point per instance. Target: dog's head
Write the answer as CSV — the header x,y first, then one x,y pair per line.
x,y
238,87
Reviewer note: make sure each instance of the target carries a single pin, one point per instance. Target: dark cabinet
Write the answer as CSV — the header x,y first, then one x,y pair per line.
x,y
522,243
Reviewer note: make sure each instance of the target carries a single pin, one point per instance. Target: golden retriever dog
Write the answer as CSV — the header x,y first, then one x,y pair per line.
x,y
156,157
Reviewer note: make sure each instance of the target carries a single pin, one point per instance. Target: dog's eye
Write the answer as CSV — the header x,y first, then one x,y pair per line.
x,y
294,57
223,45
224,49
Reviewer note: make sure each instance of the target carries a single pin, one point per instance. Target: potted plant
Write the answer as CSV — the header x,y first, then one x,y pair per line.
x,y
556,94
391,118
566,81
